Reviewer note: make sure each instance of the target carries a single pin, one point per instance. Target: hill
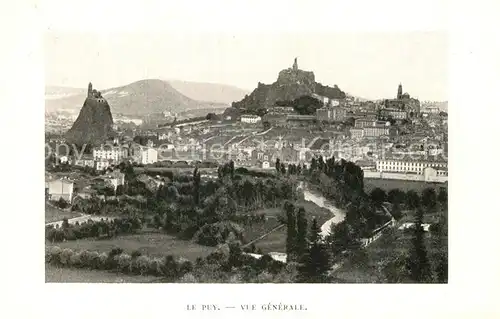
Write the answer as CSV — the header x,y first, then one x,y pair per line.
x,y
135,99
291,84
94,124
210,92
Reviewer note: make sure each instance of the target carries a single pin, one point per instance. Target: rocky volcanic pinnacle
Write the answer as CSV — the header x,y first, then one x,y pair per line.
x,y
94,124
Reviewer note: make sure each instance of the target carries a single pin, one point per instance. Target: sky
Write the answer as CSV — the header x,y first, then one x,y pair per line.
x,y
369,65
367,52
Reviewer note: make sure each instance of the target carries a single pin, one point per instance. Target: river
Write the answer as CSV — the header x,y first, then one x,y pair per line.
x,y
321,201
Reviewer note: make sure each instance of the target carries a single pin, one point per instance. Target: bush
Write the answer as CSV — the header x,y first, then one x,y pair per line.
x,y
218,233
65,256
188,279
264,277
76,260
141,265
124,262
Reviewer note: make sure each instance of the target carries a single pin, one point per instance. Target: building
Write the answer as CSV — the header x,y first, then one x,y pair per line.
x,y
115,178
265,164
281,110
404,102
356,132
363,122
396,114
102,164
410,166
300,120
114,153
84,161
375,131
250,118
149,156
61,188
331,114
275,119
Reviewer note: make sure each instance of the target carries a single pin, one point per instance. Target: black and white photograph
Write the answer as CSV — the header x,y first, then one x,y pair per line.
x,y
250,159
246,157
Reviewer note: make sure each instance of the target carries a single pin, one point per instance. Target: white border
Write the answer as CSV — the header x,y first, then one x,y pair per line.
x,y
474,72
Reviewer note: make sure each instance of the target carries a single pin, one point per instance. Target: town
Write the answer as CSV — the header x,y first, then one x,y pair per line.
x,y
201,183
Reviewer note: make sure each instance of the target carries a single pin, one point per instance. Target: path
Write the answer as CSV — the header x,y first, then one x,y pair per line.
x,y
262,133
259,238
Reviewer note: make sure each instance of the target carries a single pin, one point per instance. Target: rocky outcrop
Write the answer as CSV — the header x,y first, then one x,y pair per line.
x,y
94,124
291,84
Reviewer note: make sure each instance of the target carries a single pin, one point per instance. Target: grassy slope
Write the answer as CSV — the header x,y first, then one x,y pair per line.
x,y
53,214
388,184
66,275
276,241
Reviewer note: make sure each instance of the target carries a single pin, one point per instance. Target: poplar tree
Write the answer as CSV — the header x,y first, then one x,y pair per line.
x,y
291,231
418,262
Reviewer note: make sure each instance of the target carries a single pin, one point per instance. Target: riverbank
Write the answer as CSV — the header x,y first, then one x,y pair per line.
x,y
321,201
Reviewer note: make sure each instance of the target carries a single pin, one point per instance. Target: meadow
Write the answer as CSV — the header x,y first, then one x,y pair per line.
x,y
151,243
53,214
388,184
54,274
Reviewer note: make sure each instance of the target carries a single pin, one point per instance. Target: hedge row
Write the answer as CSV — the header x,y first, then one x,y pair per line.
x,y
92,229
118,261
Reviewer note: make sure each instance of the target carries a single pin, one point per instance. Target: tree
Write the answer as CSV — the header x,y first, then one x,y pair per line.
x,y
283,169
418,263
412,199
314,164
277,165
378,196
61,203
231,169
291,230
429,198
443,197
396,196
396,212
306,105
315,263
301,232
196,186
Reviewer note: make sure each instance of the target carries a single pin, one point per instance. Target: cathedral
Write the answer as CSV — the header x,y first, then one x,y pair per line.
x,y
404,102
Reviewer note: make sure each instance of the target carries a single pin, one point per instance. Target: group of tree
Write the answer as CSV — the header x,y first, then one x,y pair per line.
x,y
307,248
92,229
227,264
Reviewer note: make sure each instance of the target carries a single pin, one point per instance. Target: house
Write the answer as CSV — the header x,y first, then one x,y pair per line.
x,y
149,156
265,164
250,118
85,160
115,178
61,188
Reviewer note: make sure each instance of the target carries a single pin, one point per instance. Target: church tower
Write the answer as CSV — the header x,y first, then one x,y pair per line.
x,y
400,91
89,91
295,66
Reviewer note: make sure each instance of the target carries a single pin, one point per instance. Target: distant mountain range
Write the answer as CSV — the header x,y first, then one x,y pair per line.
x,y
217,93
148,96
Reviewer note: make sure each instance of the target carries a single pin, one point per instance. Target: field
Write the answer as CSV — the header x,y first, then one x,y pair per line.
x,y
276,241
55,274
151,244
53,214
388,184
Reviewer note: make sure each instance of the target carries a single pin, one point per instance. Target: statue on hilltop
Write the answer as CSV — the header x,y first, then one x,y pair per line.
x,y
295,66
